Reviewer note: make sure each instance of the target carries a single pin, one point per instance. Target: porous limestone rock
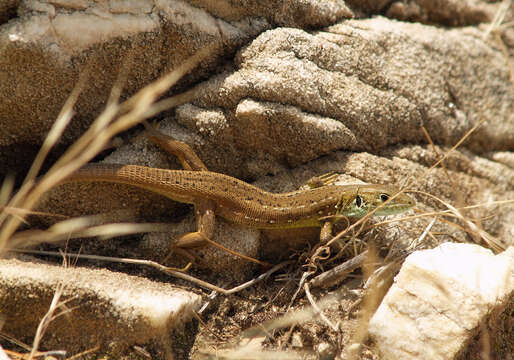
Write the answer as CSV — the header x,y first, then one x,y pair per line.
x,y
106,308
441,299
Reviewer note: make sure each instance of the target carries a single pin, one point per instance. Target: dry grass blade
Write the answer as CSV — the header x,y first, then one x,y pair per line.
x,y
318,310
158,87
338,273
49,317
44,355
55,132
498,18
445,156
496,27
178,273
291,318
375,291
443,212
53,136
6,190
251,350
114,119
171,102
15,341
63,119
493,243
22,213
420,239
82,354
264,264
83,230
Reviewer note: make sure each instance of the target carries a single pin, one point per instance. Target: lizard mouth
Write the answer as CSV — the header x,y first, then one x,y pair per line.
x,y
398,208
393,209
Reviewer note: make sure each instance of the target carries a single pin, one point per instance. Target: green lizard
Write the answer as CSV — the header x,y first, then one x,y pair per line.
x,y
241,203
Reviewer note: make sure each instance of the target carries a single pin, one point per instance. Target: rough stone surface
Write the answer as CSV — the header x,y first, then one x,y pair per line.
x,y
453,13
105,307
381,75
439,300
51,43
3,355
296,90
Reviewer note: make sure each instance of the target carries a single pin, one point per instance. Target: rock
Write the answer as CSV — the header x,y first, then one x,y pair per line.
x,y
439,300
50,44
453,13
296,341
325,351
113,310
275,100
294,90
3,355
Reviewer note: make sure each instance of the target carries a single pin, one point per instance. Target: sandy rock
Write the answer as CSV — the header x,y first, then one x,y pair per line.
x,y
46,48
3,355
292,13
440,298
385,78
274,108
453,12
106,308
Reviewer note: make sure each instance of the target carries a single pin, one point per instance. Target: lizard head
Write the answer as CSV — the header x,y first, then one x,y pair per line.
x,y
358,200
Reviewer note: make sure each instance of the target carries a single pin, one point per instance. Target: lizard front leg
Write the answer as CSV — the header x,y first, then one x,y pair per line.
x,y
325,234
322,180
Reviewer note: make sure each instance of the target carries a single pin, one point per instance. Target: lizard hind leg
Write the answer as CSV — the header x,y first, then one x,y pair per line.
x,y
184,153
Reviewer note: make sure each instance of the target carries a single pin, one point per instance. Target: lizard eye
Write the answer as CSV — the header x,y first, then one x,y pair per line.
x,y
384,197
358,201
